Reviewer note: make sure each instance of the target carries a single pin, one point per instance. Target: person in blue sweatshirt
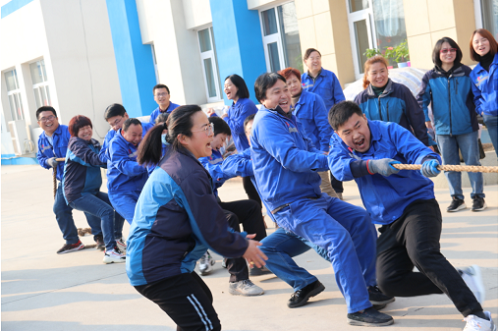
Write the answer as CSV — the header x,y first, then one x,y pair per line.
x,y
484,79
285,170
125,176
177,218
447,88
53,144
82,181
161,94
403,203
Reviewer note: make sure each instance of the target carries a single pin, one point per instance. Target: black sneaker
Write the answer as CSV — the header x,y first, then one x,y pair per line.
x,y
377,298
456,205
478,204
370,317
300,297
99,240
68,248
259,271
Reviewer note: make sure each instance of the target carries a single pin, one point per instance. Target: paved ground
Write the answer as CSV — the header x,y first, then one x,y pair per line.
x,y
45,291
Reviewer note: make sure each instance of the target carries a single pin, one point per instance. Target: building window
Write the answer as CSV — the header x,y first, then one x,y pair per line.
x,y
40,84
209,64
487,15
14,95
280,31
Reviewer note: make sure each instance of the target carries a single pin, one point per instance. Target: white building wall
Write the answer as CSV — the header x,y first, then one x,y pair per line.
x,y
197,13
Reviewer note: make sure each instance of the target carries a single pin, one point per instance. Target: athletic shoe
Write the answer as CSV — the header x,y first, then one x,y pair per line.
x,y
245,287
99,241
114,256
300,297
377,298
259,271
472,277
68,248
478,204
121,245
370,317
475,323
206,263
456,205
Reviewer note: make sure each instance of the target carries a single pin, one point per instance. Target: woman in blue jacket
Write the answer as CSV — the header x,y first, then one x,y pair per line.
x,y
484,76
177,219
447,88
242,107
82,181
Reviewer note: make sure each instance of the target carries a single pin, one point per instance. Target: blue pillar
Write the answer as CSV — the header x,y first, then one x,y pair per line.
x,y
238,41
134,60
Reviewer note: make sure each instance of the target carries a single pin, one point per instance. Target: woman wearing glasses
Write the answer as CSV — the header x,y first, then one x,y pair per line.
x,y
447,88
177,219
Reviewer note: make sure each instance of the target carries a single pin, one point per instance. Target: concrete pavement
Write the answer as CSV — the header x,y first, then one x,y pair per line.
x,y
45,291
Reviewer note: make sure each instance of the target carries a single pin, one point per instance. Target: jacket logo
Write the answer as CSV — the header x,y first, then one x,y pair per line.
x,y
132,154
481,79
44,148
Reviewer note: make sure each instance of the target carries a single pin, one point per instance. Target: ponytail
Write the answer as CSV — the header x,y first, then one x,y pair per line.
x,y
150,148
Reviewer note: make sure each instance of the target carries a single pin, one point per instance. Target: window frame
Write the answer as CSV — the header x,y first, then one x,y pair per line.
x,y
14,97
210,54
43,86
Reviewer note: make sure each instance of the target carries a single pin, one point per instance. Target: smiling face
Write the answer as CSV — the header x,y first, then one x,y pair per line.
x,y
447,54
355,133
85,133
48,122
220,141
116,122
162,98
276,95
202,135
248,130
313,62
133,134
231,90
481,44
378,75
294,85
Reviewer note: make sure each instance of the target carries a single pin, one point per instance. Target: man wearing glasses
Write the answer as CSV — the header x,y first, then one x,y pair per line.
x,y
52,144
162,98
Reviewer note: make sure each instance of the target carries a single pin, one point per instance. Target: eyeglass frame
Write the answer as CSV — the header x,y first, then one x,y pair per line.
x,y
447,50
207,128
46,119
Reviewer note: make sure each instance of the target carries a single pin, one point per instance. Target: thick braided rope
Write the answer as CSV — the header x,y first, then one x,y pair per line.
x,y
457,168
54,179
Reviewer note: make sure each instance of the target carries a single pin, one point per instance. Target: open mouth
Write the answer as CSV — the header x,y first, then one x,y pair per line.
x,y
359,144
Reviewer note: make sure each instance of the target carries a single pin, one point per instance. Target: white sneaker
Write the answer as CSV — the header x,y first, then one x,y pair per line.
x,y
473,279
114,256
475,323
121,245
206,263
245,287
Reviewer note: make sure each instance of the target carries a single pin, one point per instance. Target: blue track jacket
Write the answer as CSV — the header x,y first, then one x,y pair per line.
x,y
157,112
236,116
396,104
177,218
485,88
311,112
326,85
385,198
82,173
60,138
284,160
450,96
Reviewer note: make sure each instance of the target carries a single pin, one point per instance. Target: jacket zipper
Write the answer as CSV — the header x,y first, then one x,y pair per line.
x,y
449,105
387,111
380,110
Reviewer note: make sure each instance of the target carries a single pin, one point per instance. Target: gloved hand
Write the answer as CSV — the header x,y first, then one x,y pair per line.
x,y
429,168
383,166
52,162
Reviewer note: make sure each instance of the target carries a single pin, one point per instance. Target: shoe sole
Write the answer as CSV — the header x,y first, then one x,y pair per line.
x,y
380,303
457,209
232,292
313,293
479,209
110,262
359,323
205,273
79,248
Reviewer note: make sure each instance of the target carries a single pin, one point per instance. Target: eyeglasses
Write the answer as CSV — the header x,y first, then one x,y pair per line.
x,y
45,119
209,129
161,94
116,122
448,50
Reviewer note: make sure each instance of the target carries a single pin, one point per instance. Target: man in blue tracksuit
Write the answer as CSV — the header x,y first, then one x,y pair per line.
x,y
403,203
285,172
162,97
125,176
53,144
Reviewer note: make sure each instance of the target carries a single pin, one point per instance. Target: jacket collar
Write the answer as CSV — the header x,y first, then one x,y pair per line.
x,y
387,90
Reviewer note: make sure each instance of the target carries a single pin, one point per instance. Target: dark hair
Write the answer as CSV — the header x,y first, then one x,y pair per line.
x,y
159,86
264,82
220,126
437,51
179,122
248,119
486,34
309,51
162,118
129,122
113,110
78,122
342,112
290,71
45,108
240,84
368,63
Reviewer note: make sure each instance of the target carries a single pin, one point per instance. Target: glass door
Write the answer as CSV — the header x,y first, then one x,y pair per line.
x,y
361,32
